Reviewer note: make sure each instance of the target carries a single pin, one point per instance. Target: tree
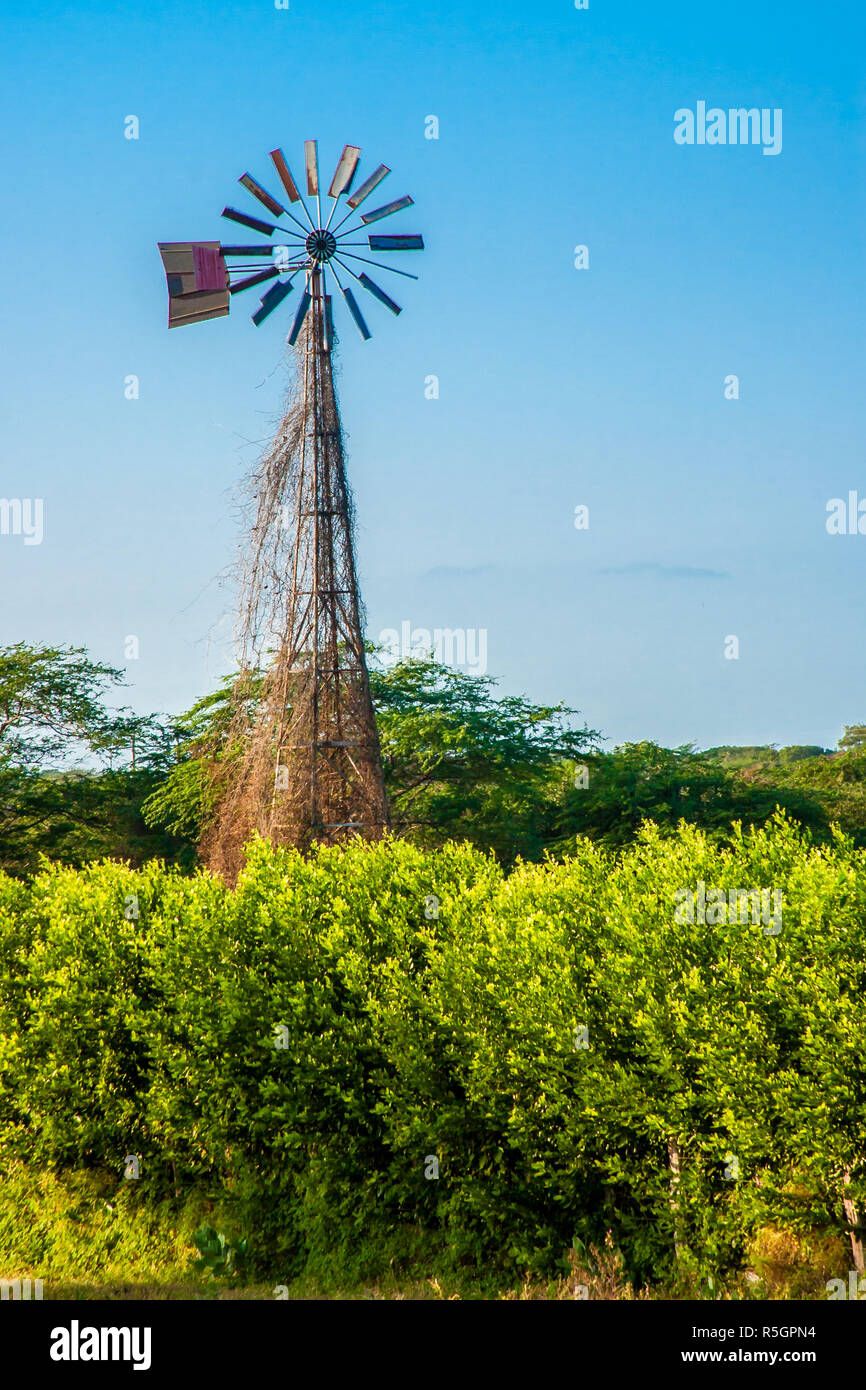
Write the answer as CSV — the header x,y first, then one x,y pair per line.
x,y
459,763
63,789
185,800
834,785
462,764
51,706
638,782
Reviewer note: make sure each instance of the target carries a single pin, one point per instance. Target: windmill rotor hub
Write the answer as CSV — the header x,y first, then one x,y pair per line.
x,y
321,245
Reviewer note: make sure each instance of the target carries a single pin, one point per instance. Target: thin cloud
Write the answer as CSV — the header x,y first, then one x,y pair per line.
x,y
650,567
456,571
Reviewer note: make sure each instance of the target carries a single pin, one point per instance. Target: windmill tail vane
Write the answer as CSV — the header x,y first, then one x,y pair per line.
x,y
309,765
312,248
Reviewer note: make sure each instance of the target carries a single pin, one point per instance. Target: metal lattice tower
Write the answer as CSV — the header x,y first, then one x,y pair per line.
x,y
326,740
307,761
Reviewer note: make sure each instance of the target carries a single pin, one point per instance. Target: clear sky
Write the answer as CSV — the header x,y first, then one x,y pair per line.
x,y
557,386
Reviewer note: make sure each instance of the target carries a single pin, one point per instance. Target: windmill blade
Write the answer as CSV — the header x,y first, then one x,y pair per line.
x,y
380,265
247,250
282,168
351,179
266,228
379,293
387,209
311,160
367,186
396,243
251,280
352,306
262,194
345,170
303,307
275,295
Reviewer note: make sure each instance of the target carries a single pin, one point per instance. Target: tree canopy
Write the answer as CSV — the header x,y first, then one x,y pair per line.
x,y
68,789
80,779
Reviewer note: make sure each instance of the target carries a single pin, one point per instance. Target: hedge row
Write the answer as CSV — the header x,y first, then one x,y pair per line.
x,y
379,1050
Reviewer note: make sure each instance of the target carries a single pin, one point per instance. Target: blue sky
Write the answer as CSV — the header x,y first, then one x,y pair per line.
x,y
558,386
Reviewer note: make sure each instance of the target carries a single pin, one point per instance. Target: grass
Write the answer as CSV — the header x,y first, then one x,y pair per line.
x,y
88,1238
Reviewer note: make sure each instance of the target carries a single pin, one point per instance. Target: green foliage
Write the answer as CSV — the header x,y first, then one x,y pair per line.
x,y
51,699
461,763
182,804
764,757
640,782
218,1256
293,1059
53,716
499,772
89,1226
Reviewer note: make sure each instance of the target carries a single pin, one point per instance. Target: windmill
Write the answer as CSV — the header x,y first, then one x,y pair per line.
x,y
308,765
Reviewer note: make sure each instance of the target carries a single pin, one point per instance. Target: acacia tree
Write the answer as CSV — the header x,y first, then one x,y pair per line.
x,y
459,762
640,782
66,789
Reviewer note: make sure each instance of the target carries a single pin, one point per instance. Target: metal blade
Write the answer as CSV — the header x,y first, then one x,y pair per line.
x,y
303,307
356,314
251,280
282,168
266,228
275,295
380,265
379,293
262,194
345,170
387,209
311,160
396,243
247,250
367,186
351,179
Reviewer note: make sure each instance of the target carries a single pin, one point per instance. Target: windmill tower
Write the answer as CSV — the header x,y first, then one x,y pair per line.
x,y
305,762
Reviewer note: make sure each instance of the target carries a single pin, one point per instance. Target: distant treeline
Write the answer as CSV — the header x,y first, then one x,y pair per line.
x,y
81,781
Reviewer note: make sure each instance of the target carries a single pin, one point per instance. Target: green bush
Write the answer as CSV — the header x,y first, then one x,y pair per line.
x,y
380,1055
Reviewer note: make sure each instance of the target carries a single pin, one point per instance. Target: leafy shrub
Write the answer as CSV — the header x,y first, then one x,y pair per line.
x,y
381,1055
218,1255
